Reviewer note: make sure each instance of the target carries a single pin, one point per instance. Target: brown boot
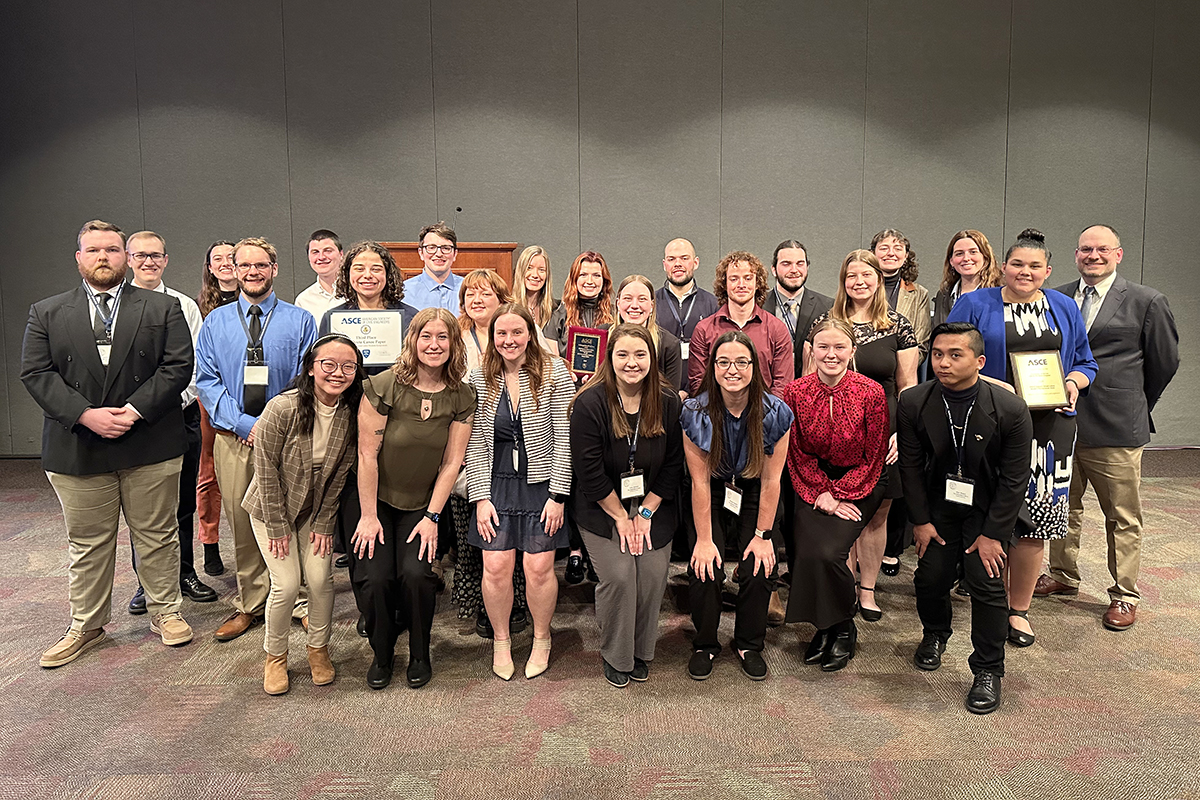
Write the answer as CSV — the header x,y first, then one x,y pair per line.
x,y
776,613
275,674
320,665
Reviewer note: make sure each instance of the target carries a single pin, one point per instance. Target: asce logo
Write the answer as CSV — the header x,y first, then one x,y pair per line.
x,y
1037,362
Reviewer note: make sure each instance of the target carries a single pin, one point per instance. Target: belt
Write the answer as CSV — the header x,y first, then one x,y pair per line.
x,y
225,433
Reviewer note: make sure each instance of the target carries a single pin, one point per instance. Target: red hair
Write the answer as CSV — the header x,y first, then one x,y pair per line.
x,y
604,304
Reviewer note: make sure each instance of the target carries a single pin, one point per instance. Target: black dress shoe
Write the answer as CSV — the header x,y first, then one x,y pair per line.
x,y
1018,637
752,664
379,675
984,697
361,627
614,676
869,614
213,565
641,671
199,592
342,561
591,572
419,672
574,571
517,620
700,665
841,650
818,647
929,652
890,569
137,604
483,625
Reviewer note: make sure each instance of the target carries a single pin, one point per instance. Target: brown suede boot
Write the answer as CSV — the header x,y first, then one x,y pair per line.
x,y
275,674
322,668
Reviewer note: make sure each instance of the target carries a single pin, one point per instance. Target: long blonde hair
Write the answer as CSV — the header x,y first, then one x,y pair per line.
x,y
843,307
545,304
455,368
652,320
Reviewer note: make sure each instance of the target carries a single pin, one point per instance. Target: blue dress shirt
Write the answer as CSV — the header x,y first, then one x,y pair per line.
x,y
422,291
777,420
288,332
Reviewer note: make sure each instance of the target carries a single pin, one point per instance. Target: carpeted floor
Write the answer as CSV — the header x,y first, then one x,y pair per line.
x,y
1087,713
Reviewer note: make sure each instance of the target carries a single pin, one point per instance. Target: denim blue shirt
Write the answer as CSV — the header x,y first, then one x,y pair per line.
x,y
422,291
777,420
288,331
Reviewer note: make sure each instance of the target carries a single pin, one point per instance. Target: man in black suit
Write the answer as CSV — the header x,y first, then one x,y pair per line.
x,y
107,363
1133,337
964,462
797,306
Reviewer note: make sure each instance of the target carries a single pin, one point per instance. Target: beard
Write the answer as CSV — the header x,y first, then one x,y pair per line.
x,y
261,291
677,282
789,286
106,276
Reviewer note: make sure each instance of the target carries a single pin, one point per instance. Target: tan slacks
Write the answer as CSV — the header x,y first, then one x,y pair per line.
x,y
92,506
234,465
1116,475
287,574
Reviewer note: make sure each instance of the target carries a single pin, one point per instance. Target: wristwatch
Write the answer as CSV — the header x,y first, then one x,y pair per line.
x,y
432,516
645,512
559,498
761,534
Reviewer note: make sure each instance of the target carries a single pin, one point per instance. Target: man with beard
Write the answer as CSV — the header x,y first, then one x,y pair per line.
x,y
107,363
247,353
680,302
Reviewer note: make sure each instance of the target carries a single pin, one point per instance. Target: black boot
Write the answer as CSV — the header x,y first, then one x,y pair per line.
x,y
841,650
818,647
213,565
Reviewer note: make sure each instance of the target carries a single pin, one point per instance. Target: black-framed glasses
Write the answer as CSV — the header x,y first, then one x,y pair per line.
x,y
740,364
434,249
156,257
329,366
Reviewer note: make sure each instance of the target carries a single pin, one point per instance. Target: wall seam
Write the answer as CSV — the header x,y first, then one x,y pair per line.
x,y
1012,13
287,145
1149,122
862,197
721,142
578,129
137,114
437,201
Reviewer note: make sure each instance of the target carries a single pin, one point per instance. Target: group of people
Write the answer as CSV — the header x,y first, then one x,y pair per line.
x,y
740,425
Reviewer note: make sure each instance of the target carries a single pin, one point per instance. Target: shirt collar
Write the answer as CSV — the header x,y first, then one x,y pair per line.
x,y
723,313
1101,288
267,305
695,288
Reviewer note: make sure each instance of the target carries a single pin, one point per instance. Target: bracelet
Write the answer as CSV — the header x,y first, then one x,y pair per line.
x,y
1072,380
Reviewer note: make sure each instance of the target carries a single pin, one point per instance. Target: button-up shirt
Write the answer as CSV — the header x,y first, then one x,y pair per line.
x,y
770,337
288,331
423,291
191,312
316,301
1101,292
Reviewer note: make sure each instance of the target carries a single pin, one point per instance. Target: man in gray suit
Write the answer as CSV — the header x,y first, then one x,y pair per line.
x,y
1133,337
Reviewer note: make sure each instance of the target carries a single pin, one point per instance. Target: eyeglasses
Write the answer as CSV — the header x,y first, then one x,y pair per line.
x,y
251,267
1100,251
148,257
740,364
433,249
329,366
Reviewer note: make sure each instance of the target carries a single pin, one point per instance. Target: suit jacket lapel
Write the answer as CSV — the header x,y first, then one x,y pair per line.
x,y
78,316
980,429
936,426
129,309
1112,302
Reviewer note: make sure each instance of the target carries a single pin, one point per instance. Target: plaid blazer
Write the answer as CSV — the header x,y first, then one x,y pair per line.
x,y
283,470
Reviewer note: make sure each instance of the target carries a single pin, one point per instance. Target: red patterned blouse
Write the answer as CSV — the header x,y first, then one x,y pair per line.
x,y
844,426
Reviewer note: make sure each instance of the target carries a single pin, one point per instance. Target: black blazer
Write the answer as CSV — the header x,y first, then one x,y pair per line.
x,y
996,456
598,459
1136,347
812,305
149,366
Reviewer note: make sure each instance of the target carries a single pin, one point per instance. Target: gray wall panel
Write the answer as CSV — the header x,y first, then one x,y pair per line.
x,y
508,124
1078,121
359,121
214,138
650,131
792,129
70,154
937,87
1172,203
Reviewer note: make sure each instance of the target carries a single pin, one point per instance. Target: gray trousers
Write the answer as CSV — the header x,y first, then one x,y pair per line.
x,y
628,598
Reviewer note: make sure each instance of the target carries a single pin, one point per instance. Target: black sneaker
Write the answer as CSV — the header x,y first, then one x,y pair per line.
x,y
614,676
641,671
752,664
700,665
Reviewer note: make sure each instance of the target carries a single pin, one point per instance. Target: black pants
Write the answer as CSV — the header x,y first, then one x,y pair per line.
x,y
395,584
899,532
754,588
186,513
937,571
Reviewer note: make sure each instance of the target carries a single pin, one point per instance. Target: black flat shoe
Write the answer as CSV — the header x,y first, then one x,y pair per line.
x,y
342,561
842,649
614,676
574,571
591,572
213,565
198,592
700,665
641,671
419,672
517,620
929,652
869,614
379,675
1018,637
137,604
361,627
752,664
984,697
483,625
818,647
891,569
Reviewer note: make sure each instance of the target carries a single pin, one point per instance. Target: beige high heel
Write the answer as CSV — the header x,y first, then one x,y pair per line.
x,y
504,672
532,670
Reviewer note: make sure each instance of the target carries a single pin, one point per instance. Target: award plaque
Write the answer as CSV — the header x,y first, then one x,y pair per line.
x,y
585,350
378,334
1038,378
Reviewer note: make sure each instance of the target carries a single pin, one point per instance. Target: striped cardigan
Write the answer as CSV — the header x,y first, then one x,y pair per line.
x,y
546,432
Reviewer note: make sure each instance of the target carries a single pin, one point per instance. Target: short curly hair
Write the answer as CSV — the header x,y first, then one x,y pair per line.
x,y
760,273
393,288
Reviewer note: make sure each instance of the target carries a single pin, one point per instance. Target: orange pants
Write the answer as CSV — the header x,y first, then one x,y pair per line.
x,y
208,494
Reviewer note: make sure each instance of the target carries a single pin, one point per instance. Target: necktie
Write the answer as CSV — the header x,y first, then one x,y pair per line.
x,y
255,324
99,328
254,395
789,308
1089,298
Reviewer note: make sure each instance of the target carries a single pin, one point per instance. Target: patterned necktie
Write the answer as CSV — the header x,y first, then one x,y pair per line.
x,y
1089,298
98,327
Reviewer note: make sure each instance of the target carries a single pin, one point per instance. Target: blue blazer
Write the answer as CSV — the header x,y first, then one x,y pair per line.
x,y
985,310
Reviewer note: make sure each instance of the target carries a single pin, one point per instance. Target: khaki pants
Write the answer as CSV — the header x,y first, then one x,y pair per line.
x,y
1116,475
92,506
234,465
286,576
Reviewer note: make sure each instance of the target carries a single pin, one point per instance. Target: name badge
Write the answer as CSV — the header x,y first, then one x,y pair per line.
x,y
516,460
733,499
255,376
105,351
633,485
684,347
960,490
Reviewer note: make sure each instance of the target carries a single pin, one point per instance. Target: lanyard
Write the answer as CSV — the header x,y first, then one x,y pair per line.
x,y
478,346
633,442
691,306
787,318
959,444
116,302
515,411
262,335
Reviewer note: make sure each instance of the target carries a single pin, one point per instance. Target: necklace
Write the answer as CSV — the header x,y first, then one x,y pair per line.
x,y
427,400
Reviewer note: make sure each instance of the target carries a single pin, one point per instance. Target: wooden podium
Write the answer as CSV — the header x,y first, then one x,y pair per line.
x,y
500,257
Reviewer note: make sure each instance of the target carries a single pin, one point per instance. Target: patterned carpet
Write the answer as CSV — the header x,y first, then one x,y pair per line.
x,y
1087,713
